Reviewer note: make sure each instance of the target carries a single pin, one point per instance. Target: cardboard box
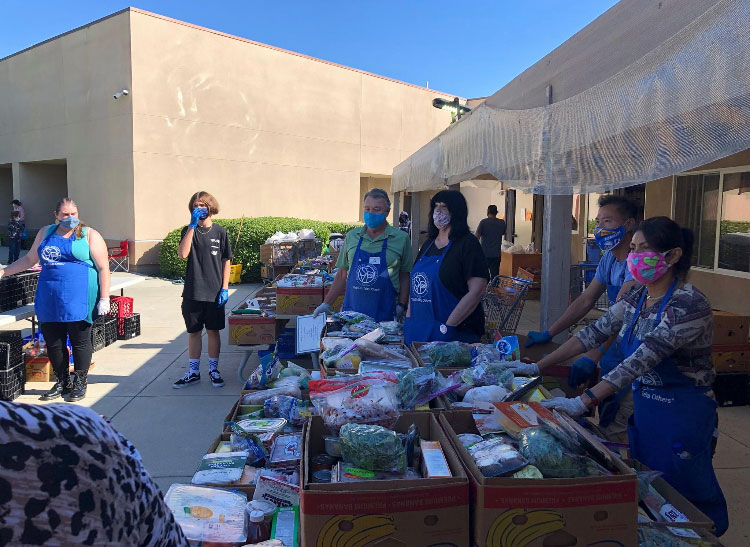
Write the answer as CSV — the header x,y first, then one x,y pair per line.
x,y
266,254
269,271
696,517
252,330
541,512
412,513
510,262
730,329
38,369
731,358
298,300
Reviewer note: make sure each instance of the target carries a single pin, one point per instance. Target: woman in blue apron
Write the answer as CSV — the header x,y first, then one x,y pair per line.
x,y
75,265
448,278
665,329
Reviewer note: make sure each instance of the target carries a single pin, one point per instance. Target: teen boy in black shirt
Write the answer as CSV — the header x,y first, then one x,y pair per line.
x,y
208,253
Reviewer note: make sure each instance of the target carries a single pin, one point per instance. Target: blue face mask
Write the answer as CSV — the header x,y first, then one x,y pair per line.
x,y
70,222
374,220
608,239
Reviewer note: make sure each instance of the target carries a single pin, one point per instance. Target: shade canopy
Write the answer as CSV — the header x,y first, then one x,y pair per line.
x,y
684,104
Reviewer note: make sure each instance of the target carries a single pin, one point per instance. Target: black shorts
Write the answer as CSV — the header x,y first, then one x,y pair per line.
x,y
198,314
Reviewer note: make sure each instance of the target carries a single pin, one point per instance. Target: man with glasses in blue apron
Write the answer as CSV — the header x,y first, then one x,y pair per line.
x,y
373,265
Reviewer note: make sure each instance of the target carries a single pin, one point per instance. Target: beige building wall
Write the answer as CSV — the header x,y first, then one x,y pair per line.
x,y
56,104
6,189
269,132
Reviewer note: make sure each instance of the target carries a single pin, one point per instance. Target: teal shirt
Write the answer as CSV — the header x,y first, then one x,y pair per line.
x,y
398,253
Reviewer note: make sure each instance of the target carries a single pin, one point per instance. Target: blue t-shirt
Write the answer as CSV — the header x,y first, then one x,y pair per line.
x,y
612,273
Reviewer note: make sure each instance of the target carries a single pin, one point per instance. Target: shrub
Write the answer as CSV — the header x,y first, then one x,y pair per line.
x,y
255,231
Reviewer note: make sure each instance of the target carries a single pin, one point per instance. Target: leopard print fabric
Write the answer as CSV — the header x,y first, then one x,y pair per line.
x,y
67,477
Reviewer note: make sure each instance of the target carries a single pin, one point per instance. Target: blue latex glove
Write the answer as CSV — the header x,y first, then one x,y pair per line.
x,y
581,371
222,297
196,216
538,338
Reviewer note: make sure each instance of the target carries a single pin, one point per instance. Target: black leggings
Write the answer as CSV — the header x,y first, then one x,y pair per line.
x,y
57,351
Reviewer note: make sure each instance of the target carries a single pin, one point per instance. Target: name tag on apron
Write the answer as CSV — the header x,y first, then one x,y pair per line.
x,y
374,260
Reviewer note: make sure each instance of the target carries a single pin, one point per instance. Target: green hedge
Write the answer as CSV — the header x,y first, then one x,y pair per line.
x,y
255,231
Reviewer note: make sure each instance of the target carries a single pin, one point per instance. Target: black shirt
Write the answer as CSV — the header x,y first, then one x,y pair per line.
x,y
491,230
463,260
205,263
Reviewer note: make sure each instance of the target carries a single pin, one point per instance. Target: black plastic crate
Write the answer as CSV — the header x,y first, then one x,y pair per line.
x,y
732,389
12,381
98,336
110,330
129,327
11,349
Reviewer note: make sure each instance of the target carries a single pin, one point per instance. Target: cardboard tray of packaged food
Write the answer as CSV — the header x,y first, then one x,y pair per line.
x,y
247,489
512,512
417,512
333,326
235,410
327,372
695,517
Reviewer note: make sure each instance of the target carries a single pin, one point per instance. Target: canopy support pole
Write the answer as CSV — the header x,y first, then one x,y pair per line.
x,y
556,260
415,222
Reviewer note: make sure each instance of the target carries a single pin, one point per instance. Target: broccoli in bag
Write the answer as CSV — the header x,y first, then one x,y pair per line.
x,y
373,448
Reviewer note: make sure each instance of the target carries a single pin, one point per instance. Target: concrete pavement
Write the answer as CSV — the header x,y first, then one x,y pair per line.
x,y
131,383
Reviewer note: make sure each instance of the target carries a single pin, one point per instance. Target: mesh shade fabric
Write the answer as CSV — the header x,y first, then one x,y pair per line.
x,y
684,104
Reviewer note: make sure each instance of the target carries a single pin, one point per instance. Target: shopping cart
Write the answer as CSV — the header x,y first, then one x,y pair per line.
x,y
503,302
581,276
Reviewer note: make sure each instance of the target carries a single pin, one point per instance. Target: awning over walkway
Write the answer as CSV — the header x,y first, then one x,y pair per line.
x,y
684,104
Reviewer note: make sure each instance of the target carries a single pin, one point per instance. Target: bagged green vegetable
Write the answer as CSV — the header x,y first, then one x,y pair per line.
x,y
373,448
488,375
449,354
546,453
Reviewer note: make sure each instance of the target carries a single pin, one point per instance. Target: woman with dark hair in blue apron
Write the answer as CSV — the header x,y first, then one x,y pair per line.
x,y
73,288
664,328
448,278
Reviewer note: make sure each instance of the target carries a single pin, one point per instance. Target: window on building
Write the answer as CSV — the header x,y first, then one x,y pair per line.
x,y
716,206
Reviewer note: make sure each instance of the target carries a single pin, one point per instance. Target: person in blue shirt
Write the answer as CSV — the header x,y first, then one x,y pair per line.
x,y
615,223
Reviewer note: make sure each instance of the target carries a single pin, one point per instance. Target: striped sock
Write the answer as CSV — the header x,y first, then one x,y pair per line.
x,y
195,366
213,364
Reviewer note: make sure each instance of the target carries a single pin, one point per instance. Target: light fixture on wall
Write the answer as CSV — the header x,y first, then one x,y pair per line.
x,y
121,93
454,107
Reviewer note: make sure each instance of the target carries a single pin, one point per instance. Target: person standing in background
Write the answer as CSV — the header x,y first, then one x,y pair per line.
x,y
17,206
206,247
490,233
15,229
73,290
404,223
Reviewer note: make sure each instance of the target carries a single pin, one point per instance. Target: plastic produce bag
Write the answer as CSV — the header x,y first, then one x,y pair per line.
x,y
393,328
504,350
370,398
265,372
379,352
344,356
449,354
294,370
546,453
373,448
291,409
351,317
259,397
528,472
494,457
208,515
488,375
488,394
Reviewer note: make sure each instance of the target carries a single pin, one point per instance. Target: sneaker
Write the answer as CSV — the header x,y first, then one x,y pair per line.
x,y
189,378
216,379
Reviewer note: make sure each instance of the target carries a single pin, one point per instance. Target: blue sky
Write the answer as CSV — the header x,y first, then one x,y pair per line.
x,y
469,49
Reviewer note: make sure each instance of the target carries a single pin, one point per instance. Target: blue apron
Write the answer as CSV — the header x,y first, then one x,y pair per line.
x,y
64,292
609,360
672,427
369,289
431,303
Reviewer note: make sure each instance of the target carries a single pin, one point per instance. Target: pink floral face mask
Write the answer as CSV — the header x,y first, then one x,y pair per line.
x,y
648,267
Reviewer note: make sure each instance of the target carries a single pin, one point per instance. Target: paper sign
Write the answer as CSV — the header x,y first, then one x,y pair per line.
x,y
309,329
